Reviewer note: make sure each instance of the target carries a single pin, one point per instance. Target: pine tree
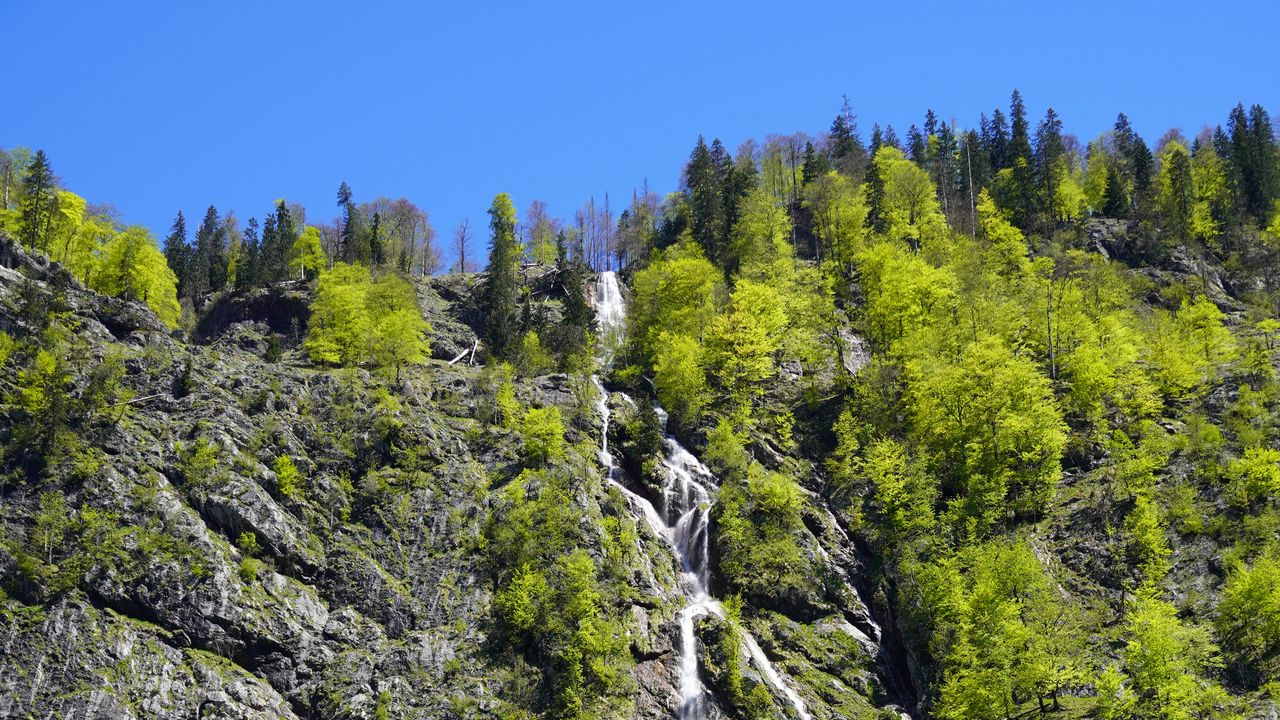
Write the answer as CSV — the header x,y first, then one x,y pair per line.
x,y
1251,149
847,153
39,191
1049,162
177,252
201,271
815,165
917,148
873,186
1020,198
997,142
501,290
250,262
377,255
703,191
347,234
277,242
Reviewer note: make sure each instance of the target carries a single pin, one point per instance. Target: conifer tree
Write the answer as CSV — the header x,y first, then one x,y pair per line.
x,y
847,153
702,188
347,234
39,196
501,290
206,255
176,251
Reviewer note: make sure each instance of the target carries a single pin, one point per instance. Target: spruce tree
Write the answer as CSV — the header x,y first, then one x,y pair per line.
x,y
1048,165
815,164
347,234
176,251
847,153
250,264
998,142
917,148
204,257
877,219
501,290
703,191
39,197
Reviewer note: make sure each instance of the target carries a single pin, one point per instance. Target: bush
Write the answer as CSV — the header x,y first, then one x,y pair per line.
x,y
198,463
1254,475
287,477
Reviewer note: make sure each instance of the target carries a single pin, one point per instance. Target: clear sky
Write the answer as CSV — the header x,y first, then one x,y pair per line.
x,y
156,107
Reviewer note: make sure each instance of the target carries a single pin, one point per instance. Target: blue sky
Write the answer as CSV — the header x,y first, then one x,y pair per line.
x,y
157,107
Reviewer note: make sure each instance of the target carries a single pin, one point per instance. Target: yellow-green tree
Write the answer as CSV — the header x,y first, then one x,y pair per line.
x,y
744,340
307,252
340,324
839,211
911,208
133,267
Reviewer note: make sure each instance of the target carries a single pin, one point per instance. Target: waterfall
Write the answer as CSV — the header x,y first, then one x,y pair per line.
x,y
683,522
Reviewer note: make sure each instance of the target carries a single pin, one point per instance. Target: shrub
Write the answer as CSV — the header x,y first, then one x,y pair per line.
x,y
287,477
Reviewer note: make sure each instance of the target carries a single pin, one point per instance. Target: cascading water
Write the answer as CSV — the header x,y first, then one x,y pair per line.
x,y
683,522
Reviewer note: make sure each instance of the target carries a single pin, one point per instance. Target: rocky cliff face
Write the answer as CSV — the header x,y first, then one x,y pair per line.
x,y
158,566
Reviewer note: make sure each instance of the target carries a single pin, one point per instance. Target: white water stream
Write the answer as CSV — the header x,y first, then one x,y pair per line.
x,y
683,523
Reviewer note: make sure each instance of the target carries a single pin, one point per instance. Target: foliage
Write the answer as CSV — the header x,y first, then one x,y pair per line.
x,y
356,320
1248,620
287,477
543,432
759,523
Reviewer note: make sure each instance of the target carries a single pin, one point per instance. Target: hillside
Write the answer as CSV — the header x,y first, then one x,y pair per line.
x,y
853,434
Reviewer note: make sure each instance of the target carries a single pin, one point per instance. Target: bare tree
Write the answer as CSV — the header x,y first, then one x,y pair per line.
x,y
461,236
430,255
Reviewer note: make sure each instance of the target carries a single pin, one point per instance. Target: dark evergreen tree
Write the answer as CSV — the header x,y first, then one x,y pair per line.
x,y
873,187
250,261
997,142
1251,149
703,192
206,256
177,252
1142,169
501,292
942,161
1049,166
277,242
917,147
891,138
815,164
1019,196
1115,202
39,199
847,153
377,254
347,233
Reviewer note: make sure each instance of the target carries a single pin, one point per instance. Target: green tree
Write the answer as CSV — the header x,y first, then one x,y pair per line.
x,y
340,325
679,377
400,338
501,289
744,340
1177,191
1166,662
307,253
1249,619
992,418
39,196
543,434
133,267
